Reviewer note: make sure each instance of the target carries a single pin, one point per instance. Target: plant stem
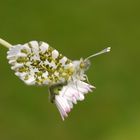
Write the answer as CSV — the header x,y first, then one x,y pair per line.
x,y
5,43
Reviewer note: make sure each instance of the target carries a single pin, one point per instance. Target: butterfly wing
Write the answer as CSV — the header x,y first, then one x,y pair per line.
x,y
36,63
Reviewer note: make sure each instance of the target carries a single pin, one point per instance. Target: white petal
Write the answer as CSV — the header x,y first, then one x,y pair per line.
x,y
16,66
26,47
30,81
12,61
21,74
14,50
35,46
44,47
63,60
69,95
52,64
55,54
81,97
70,104
61,106
65,104
45,74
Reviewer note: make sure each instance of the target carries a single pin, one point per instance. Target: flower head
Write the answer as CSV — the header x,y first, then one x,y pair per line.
x,y
36,63
71,93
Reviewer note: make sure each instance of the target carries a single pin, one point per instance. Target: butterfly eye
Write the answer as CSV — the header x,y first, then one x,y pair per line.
x,y
84,64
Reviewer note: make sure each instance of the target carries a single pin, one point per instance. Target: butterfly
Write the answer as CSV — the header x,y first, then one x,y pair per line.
x,y
37,63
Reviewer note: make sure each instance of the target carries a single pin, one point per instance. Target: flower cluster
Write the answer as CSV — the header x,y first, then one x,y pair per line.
x,y
36,63
70,94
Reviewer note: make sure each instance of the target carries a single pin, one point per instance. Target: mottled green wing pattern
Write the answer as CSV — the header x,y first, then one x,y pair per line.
x,y
36,63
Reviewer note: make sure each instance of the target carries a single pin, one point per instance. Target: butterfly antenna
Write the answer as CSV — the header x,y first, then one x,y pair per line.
x,y
101,52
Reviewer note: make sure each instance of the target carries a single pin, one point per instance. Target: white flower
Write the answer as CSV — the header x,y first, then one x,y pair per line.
x,y
36,63
71,93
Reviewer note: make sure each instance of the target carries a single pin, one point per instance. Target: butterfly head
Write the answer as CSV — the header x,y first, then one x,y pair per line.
x,y
84,64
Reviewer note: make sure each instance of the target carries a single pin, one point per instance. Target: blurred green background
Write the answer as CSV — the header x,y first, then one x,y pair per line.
x,y
76,28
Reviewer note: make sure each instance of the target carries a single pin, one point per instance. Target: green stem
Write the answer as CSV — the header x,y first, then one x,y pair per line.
x,y
5,43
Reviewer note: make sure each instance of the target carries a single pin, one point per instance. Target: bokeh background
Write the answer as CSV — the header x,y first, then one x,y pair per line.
x,y
76,28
